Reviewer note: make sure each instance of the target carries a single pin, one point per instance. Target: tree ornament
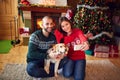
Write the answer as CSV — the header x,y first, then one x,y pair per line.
x,y
25,2
69,14
94,16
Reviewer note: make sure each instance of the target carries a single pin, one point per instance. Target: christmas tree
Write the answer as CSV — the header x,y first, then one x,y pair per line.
x,y
94,19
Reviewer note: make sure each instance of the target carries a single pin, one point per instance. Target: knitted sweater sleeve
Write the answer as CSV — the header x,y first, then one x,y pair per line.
x,y
33,51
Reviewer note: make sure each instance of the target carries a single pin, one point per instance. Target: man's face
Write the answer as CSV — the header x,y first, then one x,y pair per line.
x,y
48,25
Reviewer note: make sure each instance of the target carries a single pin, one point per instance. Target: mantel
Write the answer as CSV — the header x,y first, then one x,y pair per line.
x,y
44,9
39,12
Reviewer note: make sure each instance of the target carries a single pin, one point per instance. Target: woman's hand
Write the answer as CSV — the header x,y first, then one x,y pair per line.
x,y
84,46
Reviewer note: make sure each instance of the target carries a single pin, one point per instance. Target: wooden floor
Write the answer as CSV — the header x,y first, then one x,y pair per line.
x,y
18,55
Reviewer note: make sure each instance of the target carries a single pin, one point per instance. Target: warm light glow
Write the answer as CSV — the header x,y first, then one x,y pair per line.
x,y
48,2
39,23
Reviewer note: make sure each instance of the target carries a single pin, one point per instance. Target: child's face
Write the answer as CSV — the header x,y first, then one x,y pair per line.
x,y
66,26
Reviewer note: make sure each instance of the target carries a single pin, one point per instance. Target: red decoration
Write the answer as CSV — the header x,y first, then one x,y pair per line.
x,y
101,51
101,19
103,39
25,2
69,14
106,51
114,51
92,12
24,30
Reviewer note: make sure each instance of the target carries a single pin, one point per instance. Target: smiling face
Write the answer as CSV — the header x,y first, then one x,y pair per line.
x,y
47,24
66,27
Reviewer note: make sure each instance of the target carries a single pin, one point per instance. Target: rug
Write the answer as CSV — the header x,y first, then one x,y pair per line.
x,y
95,70
14,72
5,46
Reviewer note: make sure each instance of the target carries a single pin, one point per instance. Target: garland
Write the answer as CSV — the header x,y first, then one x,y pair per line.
x,y
95,7
98,35
44,6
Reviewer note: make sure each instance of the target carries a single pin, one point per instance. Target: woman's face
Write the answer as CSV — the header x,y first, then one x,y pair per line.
x,y
66,26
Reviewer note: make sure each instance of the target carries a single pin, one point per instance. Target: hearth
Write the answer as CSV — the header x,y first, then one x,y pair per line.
x,y
37,13
37,16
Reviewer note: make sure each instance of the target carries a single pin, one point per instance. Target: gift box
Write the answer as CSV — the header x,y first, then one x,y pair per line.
x,y
101,51
24,31
89,52
114,51
101,54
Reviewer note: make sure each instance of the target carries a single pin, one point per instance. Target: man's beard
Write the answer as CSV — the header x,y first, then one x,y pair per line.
x,y
46,29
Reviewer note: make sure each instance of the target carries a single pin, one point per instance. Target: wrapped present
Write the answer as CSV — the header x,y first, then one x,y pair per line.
x,y
101,48
114,51
101,54
89,52
101,51
24,31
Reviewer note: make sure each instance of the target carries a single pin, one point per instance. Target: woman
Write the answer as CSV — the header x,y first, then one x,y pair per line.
x,y
77,43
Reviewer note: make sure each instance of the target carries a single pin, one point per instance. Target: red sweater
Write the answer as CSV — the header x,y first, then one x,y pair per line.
x,y
76,37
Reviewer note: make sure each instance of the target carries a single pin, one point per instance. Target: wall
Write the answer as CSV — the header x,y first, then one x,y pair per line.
x,y
8,10
73,6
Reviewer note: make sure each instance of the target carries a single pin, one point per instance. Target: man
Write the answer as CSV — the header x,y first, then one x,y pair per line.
x,y
39,42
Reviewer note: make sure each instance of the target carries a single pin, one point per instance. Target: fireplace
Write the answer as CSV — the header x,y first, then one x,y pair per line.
x,y
37,16
37,13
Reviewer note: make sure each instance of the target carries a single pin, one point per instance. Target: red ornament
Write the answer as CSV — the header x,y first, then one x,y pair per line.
x,y
101,19
25,2
69,14
103,39
92,12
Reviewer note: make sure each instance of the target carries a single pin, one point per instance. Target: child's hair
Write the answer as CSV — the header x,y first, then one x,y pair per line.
x,y
61,19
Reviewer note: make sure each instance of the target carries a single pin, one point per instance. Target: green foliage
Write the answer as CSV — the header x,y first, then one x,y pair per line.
x,y
93,16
